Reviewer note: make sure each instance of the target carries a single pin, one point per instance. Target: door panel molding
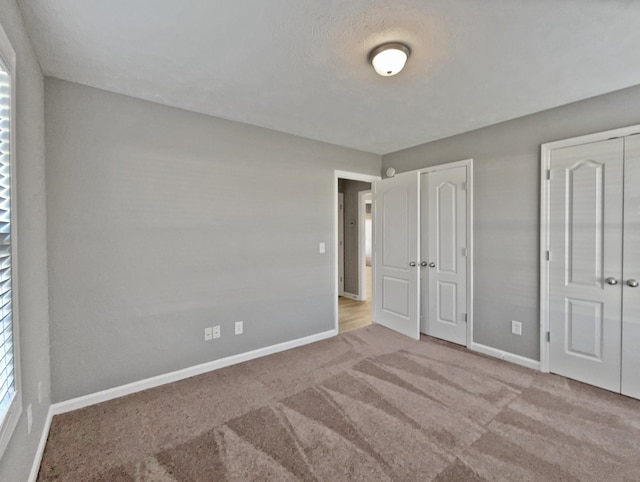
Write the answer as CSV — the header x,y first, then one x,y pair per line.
x,y
447,308
446,197
395,208
581,229
393,290
584,315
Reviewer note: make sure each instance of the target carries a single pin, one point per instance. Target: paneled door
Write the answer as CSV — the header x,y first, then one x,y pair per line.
x,y
585,262
444,262
631,270
396,221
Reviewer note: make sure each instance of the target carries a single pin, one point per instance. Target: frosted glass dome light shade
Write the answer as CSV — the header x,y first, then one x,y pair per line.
x,y
389,59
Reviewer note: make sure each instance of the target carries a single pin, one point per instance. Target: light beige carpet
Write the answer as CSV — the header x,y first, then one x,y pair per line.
x,y
366,405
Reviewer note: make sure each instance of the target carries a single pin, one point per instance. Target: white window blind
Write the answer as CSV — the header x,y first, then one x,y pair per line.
x,y
7,369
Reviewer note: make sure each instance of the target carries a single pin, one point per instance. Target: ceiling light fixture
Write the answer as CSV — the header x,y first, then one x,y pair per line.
x,y
389,59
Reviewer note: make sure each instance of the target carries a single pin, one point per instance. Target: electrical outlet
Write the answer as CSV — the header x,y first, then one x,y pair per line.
x,y
322,248
516,327
29,419
239,327
208,333
216,332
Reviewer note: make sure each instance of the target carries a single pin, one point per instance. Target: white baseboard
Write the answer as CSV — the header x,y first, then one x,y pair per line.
x,y
35,466
507,356
350,296
129,388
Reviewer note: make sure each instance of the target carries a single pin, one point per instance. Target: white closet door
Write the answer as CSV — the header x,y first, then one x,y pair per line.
x,y
585,268
396,221
445,230
631,271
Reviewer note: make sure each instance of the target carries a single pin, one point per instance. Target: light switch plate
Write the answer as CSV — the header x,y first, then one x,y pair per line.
x,y
322,248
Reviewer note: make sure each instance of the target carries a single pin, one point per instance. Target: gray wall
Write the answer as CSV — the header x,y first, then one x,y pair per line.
x,y
506,206
32,248
163,222
350,189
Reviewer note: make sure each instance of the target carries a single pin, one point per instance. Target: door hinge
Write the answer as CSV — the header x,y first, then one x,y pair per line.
x,y
464,317
464,186
548,255
548,336
465,252
548,174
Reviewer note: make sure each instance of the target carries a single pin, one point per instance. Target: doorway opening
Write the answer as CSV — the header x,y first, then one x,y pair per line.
x,y
354,250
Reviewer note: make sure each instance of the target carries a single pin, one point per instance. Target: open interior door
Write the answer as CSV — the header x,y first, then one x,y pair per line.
x,y
397,274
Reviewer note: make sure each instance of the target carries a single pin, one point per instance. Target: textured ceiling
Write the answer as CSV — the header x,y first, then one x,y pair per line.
x,y
301,66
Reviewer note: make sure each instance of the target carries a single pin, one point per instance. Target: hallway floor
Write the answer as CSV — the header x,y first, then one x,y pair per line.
x,y
355,314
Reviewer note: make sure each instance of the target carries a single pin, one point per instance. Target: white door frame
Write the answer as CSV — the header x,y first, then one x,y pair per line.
x,y
362,248
545,163
340,245
354,176
468,163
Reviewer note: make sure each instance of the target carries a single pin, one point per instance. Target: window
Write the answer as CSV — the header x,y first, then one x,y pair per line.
x,y
10,399
7,380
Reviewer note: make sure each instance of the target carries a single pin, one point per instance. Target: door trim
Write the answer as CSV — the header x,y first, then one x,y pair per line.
x,y
545,163
340,248
468,163
354,176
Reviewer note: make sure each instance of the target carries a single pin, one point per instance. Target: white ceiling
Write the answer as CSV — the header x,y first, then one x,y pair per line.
x,y
300,66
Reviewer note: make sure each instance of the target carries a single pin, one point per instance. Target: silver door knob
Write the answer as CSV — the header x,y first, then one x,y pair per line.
x,y
432,265
611,281
632,283
412,264
423,264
